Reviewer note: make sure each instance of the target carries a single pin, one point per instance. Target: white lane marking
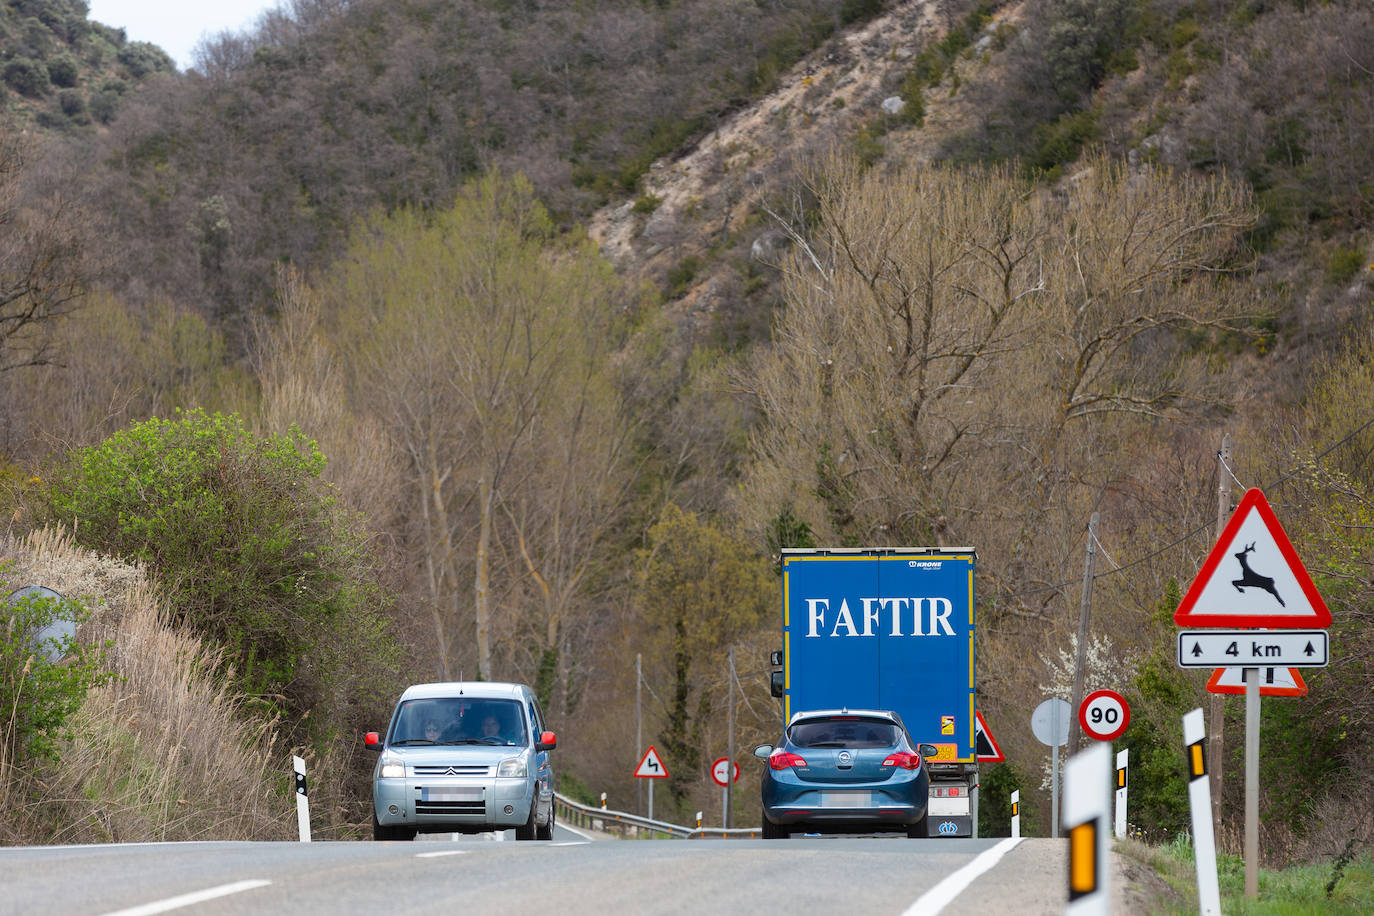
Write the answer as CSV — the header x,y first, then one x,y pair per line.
x,y
942,894
585,836
176,903
571,843
446,852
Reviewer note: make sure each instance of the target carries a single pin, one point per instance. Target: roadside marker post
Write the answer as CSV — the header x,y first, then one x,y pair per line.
x,y
1120,824
1087,804
1200,803
1016,813
302,799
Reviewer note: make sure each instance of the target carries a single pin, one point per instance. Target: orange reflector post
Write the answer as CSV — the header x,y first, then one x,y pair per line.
x,y
1082,859
1121,778
1015,808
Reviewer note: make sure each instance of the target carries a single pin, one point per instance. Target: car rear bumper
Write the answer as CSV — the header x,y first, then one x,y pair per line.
x,y
845,820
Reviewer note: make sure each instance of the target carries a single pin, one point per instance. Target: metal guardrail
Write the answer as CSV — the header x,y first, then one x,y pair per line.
x,y
633,826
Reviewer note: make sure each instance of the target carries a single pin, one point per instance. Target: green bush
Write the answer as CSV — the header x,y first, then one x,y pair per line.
x,y
27,77
62,71
42,682
1344,262
141,58
248,543
71,102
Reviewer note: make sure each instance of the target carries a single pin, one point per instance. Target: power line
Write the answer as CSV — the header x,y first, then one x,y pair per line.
x,y
1191,534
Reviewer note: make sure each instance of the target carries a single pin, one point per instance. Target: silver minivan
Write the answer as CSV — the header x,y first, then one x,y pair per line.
x,y
463,757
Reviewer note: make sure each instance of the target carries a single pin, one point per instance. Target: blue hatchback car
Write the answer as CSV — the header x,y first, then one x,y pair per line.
x,y
845,771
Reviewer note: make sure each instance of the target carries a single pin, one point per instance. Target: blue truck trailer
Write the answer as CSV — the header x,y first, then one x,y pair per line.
x,y
889,629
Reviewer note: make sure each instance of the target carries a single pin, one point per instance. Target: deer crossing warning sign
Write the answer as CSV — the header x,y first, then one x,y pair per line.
x,y
1253,577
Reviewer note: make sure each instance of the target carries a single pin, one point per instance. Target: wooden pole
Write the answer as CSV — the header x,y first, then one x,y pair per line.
x,y
1216,704
1084,611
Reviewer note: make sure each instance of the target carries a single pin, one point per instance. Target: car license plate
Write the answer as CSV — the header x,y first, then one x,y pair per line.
x,y
846,799
451,793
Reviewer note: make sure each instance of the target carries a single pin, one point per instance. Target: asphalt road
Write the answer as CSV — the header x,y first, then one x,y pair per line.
x,y
571,874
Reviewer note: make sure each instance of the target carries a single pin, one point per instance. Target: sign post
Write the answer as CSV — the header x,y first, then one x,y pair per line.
x,y
1252,578
651,768
1050,724
720,773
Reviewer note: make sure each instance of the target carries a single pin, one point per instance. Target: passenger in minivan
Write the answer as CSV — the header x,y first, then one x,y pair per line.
x,y
432,731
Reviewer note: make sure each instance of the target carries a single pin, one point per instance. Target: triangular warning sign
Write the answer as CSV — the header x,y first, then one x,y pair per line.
x,y
651,767
1274,682
984,744
1253,577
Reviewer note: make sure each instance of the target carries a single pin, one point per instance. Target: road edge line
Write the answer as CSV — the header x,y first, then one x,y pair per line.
x,y
942,894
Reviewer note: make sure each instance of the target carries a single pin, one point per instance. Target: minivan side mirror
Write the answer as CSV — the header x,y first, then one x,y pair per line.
x,y
928,751
372,741
762,751
547,741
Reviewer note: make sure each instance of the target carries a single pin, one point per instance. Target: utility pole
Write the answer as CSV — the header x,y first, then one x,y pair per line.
x,y
639,729
1084,610
730,742
1216,704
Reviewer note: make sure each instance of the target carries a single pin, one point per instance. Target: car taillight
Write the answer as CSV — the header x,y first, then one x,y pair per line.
x,y
904,760
781,760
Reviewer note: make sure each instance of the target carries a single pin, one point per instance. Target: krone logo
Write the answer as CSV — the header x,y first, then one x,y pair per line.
x,y
948,828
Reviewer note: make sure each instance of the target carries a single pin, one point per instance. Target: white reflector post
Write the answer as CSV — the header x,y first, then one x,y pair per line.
x,y
302,799
1120,823
1087,807
1200,801
1016,813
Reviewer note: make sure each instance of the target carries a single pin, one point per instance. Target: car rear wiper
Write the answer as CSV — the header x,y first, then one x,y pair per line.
x,y
828,744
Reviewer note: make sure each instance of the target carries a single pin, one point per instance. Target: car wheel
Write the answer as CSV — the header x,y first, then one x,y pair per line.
x,y
918,830
546,832
529,829
383,833
772,831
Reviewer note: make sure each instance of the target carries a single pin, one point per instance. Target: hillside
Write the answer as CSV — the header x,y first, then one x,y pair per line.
x,y
63,73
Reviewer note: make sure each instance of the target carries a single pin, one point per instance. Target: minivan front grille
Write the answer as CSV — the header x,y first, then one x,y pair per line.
x,y
454,770
478,807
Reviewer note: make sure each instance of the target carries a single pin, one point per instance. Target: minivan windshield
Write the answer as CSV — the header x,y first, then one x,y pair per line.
x,y
459,720
843,731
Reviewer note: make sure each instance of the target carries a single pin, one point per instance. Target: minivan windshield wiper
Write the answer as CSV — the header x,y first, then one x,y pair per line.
x,y
413,741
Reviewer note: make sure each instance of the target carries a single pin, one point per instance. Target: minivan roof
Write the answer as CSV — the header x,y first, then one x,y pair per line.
x,y
488,689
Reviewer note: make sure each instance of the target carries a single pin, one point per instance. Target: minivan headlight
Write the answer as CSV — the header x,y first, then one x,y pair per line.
x,y
513,766
393,769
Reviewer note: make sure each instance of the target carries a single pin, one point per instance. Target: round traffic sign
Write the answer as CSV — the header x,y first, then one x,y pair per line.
x,y
720,768
1050,722
1104,715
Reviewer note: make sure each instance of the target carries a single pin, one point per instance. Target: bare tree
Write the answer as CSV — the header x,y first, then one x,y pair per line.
x,y
43,271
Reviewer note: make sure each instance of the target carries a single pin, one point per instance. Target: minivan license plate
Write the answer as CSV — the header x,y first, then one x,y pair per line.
x,y
846,799
451,793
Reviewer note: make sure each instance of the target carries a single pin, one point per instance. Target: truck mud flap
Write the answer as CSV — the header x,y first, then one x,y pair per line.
x,y
950,825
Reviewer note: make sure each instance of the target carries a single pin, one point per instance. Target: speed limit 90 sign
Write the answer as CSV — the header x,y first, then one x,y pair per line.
x,y
1104,715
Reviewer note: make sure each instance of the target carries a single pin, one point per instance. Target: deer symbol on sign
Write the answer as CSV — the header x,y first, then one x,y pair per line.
x,y
1251,579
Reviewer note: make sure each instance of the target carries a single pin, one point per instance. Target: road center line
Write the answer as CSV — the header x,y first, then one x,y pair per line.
x,y
176,903
942,894
446,852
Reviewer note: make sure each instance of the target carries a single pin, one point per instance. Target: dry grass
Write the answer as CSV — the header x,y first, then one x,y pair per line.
x,y
164,751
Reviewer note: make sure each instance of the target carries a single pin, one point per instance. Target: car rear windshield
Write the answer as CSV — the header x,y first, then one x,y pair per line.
x,y
459,720
843,732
